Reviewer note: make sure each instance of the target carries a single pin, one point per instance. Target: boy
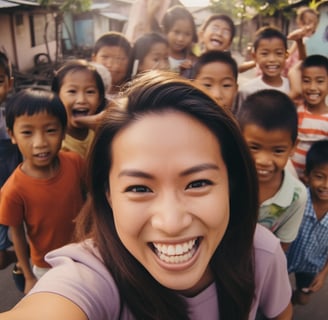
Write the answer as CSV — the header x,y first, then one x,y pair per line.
x,y
308,254
313,114
113,50
270,54
45,192
268,120
217,72
9,155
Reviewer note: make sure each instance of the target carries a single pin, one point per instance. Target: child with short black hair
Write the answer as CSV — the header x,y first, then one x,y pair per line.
x,y
313,114
270,54
113,51
46,191
308,254
217,72
268,120
9,154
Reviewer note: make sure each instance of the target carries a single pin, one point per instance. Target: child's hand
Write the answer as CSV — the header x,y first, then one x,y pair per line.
x,y
186,64
318,282
92,121
298,33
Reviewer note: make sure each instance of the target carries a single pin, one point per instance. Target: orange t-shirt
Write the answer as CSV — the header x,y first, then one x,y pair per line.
x,y
46,206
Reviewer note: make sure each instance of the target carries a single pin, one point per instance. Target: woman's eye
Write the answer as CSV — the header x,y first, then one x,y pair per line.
x,y
138,189
199,184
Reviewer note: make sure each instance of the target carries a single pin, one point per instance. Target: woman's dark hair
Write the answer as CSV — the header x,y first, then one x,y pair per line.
x,y
79,65
176,13
32,102
222,17
232,262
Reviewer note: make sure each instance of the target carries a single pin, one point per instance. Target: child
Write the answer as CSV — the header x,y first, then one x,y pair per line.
x,y
9,155
45,192
180,29
313,115
268,120
113,51
270,53
81,90
175,164
308,254
217,72
217,33
149,52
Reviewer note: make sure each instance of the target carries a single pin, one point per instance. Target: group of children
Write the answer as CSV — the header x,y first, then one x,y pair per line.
x,y
54,132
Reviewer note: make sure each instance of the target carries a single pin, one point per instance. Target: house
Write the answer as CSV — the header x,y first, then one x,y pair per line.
x,y
22,23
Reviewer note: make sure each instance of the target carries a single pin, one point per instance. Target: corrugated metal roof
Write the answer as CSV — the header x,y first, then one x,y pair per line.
x,y
114,15
6,4
24,2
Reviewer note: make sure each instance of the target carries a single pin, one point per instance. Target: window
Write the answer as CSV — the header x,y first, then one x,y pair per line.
x,y
37,27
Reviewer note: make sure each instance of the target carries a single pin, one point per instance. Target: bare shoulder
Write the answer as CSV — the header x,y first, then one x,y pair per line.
x,y
40,306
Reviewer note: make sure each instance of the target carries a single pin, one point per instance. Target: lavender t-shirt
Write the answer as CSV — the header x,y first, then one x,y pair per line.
x,y
79,275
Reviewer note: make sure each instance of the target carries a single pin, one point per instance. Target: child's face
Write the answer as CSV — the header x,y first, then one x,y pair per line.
x,y
270,150
217,78
157,58
5,85
271,55
180,36
39,138
318,182
216,36
314,85
169,178
80,95
309,20
115,60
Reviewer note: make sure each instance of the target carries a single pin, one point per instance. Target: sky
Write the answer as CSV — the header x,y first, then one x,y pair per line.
x,y
195,3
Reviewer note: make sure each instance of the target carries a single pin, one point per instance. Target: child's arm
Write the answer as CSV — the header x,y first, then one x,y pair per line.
x,y
319,279
22,253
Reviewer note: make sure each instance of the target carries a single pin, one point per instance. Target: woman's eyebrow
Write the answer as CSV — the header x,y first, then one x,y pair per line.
x,y
135,173
198,168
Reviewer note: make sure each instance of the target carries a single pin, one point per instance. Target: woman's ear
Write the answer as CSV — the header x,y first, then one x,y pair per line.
x,y
109,198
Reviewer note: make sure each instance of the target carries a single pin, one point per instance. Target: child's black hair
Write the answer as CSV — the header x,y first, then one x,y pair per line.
x,y
5,64
30,102
317,155
215,56
112,39
176,13
271,110
268,32
315,60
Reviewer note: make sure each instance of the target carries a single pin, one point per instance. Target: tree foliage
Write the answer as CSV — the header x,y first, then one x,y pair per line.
x,y
235,8
68,5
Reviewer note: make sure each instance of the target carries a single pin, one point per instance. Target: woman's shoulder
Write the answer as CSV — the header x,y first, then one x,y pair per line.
x,y
79,274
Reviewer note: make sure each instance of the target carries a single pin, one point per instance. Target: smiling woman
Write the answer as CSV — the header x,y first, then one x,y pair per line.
x,y
170,230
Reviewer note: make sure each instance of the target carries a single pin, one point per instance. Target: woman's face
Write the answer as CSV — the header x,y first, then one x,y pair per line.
x,y
169,194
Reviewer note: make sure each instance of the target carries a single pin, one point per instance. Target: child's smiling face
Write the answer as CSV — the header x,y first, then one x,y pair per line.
x,y
217,36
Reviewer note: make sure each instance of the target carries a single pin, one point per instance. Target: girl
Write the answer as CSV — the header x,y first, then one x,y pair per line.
x,y
149,52
180,29
81,90
175,165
